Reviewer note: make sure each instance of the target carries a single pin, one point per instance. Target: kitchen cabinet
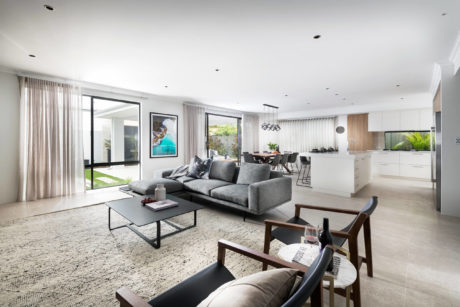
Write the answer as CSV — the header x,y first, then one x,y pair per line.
x,y
374,121
340,173
409,120
417,119
414,164
391,120
426,119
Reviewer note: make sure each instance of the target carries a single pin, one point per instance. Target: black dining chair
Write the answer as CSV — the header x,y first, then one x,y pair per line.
x,y
283,162
292,160
275,161
304,172
248,158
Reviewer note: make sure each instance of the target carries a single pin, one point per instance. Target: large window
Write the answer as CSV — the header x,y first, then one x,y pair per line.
x,y
110,141
223,137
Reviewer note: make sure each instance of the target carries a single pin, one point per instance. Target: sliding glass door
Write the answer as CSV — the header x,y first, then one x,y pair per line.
x,y
223,137
110,142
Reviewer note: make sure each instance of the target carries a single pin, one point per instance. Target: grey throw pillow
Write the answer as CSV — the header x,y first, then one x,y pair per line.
x,y
252,173
265,289
198,167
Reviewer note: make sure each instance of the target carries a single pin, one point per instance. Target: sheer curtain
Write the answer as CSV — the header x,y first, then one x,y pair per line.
x,y
194,126
302,135
250,142
51,144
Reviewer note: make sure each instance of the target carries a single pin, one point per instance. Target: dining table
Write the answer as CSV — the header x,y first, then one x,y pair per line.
x,y
265,158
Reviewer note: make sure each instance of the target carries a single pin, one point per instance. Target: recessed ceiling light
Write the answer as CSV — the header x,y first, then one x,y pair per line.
x,y
308,103
443,14
49,7
166,86
336,94
398,85
217,69
32,55
285,95
327,88
317,36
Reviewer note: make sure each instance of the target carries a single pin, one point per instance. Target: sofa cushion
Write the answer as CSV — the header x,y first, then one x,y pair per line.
x,y
222,170
235,193
204,186
267,288
146,187
185,179
252,173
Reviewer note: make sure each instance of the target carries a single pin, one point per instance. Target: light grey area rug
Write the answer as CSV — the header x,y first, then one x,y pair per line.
x,y
70,258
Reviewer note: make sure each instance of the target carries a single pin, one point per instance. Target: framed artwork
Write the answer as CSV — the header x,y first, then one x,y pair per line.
x,y
163,135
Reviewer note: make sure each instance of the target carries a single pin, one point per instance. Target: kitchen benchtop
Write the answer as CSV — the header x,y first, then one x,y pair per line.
x,y
338,155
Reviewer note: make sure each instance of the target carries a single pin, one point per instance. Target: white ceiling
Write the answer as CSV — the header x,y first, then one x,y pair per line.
x,y
263,49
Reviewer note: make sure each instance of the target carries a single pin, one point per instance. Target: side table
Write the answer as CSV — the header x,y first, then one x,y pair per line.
x,y
345,278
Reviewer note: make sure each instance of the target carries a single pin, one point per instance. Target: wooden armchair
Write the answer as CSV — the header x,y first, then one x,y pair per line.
x,y
193,290
291,231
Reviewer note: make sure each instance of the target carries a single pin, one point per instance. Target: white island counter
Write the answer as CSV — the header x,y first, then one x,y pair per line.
x,y
341,174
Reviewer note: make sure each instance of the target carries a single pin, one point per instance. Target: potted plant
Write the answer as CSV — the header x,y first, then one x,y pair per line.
x,y
272,146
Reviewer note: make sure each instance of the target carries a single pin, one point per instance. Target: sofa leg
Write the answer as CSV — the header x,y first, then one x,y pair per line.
x,y
244,216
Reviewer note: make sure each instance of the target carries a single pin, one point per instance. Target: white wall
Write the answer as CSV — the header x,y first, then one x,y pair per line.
x,y
9,137
160,105
450,156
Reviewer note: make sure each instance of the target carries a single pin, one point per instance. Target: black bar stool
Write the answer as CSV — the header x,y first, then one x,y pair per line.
x,y
304,175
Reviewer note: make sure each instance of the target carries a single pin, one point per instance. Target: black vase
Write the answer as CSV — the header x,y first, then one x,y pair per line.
x,y
325,238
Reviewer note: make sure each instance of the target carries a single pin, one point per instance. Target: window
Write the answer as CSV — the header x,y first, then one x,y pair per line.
x,y
110,141
223,137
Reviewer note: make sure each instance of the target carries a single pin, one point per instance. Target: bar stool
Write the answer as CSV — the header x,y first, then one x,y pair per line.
x,y
304,176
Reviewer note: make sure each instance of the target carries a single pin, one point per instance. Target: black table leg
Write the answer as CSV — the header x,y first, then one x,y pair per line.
x,y
156,242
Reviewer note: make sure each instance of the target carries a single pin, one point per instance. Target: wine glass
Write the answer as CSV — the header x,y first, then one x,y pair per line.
x,y
311,234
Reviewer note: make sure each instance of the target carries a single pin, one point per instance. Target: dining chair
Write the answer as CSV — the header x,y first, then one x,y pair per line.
x,y
248,158
283,162
292,160
275,161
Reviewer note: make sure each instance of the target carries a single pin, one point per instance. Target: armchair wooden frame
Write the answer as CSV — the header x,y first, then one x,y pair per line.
x,y
363,220
127,298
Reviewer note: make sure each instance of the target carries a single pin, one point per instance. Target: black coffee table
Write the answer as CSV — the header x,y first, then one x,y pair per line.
x,y
139,215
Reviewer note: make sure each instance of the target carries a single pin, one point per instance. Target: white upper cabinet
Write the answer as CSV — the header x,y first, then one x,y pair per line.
x,y
391,120
419,119
374,121
410,120
426,119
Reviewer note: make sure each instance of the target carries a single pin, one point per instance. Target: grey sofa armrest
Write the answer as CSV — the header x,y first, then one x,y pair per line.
x,y
267,194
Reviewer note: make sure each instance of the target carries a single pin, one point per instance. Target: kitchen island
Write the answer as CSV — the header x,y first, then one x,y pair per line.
x,y
339,173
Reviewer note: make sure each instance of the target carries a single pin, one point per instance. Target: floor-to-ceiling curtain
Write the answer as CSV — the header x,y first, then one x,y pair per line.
x,y
306,134
250,133
51,147
194,127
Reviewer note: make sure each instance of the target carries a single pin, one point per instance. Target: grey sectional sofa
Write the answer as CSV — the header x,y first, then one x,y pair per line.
x,y
252,188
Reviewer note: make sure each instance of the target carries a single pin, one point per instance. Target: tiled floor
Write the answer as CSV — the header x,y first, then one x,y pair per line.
x,y
416,250
24,209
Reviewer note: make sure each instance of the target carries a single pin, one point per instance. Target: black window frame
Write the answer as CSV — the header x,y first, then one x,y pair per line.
x,y
238,131
93,165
